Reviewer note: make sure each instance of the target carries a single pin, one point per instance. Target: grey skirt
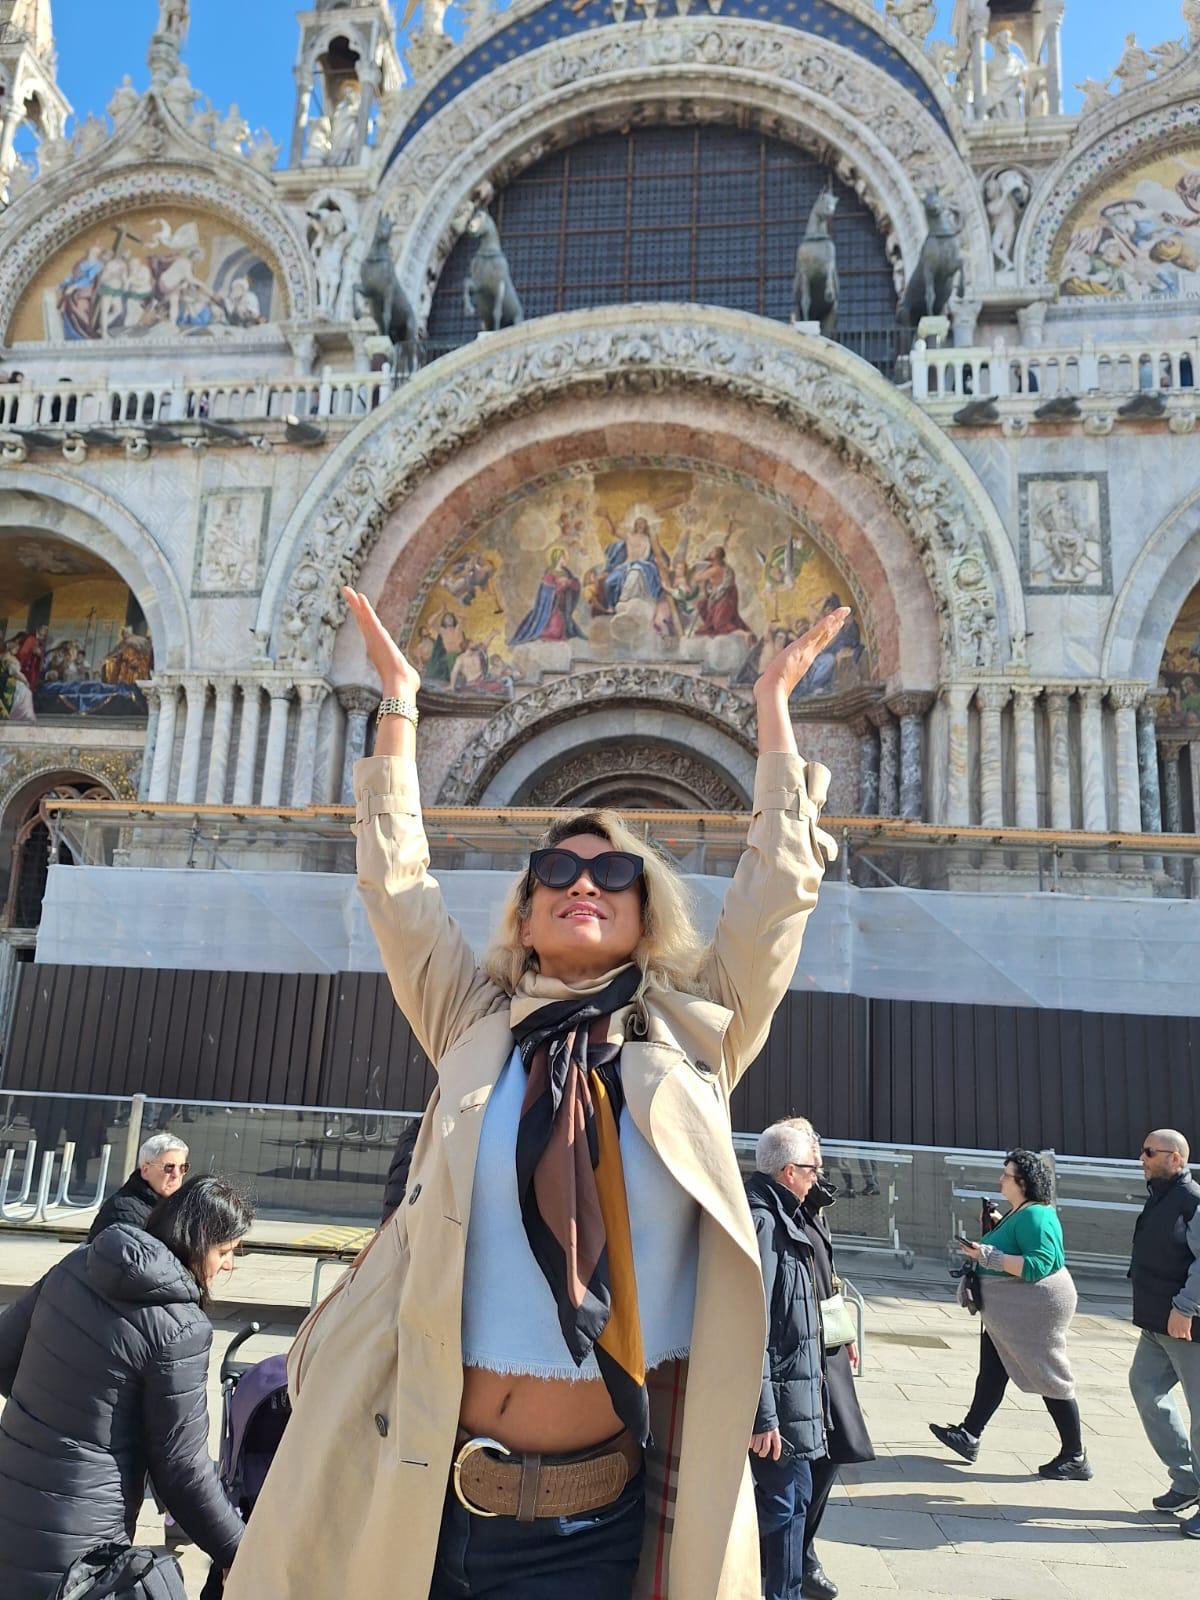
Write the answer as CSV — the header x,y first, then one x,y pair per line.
x,y
1028,1322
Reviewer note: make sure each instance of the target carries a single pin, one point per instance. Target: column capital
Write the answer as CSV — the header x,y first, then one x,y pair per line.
x,y
880,715
279,688
993,696
152,690
861,727
1025,695
1153,703
1092,695
312,692
358,698
1172,748
1127,696
910,702
959,695
223,688
1058,695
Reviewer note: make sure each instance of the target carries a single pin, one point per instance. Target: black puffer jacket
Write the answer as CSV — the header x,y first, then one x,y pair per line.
x,y
106,1361
132,1204
793,1392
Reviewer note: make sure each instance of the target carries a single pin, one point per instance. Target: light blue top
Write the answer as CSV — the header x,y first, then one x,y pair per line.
x,y
509,1319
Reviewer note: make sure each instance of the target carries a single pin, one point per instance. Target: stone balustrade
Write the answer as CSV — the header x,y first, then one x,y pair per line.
x,y
1119,368
106,402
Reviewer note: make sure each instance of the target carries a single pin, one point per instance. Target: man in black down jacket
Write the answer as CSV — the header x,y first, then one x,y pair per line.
x,y
162,1167
790,1428
1166,1306
106,1362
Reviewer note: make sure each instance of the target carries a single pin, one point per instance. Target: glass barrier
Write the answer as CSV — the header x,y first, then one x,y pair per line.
x,y
326,1168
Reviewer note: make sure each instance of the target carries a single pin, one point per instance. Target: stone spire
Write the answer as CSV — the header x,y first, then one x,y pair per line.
x,y
29,91
167,40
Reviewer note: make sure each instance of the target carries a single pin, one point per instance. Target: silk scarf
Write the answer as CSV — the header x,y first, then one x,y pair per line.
x,y
570,1178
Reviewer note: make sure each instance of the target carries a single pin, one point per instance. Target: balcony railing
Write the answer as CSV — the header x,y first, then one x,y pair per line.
x,y
1166,366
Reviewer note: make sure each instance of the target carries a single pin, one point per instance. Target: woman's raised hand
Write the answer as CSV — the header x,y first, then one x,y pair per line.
x,y
396,672
784,671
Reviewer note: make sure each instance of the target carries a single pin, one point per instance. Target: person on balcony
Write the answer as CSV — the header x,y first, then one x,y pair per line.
x,y
541,1377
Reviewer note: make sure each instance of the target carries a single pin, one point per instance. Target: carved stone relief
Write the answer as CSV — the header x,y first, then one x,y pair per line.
x,y
592,777
231,538
1065,537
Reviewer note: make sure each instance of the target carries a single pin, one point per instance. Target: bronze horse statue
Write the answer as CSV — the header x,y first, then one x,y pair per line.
x,y
815,291
939,267
379,294
488,290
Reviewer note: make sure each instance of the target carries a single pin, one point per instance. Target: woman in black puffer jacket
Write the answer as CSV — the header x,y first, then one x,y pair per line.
x,y
105,1362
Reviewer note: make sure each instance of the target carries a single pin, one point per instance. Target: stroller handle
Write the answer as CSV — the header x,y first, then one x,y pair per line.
x,y
235,1344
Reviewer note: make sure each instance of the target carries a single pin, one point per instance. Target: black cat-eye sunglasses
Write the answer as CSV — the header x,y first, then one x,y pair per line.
x,y
611,870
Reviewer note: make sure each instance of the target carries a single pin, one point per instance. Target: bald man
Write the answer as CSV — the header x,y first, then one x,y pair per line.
x,y
1165,1270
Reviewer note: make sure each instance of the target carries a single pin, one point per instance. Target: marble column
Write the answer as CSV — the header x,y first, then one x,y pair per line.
x,y
222,734
304,768
1058,727
991,699
247,756
958,755
1150,794
889,760
909,708
196,690
1025,779
1126,697
151,692
277,732
1172,798
360,704
1052,18
164,743
1091,758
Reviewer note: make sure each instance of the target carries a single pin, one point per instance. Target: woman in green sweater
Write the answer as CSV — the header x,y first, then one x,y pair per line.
x,y
1028,1302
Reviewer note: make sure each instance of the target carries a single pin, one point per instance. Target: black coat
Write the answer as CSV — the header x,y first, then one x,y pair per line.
x,y
793,1390
848,1437
1163,1255
106,1362
132,1204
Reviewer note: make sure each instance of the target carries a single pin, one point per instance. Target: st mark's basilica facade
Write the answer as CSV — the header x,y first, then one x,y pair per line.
x,y
510,336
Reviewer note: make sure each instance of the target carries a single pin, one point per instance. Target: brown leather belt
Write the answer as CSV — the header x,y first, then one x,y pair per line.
x,y
491,1481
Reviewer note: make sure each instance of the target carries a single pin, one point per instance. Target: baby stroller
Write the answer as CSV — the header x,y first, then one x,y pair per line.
x,y
254,1412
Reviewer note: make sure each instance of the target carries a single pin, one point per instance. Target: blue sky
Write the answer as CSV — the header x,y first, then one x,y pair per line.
x,y
243,50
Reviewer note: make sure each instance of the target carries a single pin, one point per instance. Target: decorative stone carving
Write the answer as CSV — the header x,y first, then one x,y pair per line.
x,y
230,542
1096,96
1191,15
509,728
1135,66
656,765
1065,533
1031,320
825,391
1006,193
914,18
1007,80
124,101
330,234
822,94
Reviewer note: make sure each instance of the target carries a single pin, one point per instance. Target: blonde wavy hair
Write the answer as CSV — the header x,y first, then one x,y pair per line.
x,y
671,950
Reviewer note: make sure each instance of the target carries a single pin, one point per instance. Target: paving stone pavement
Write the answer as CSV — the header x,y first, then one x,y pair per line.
x,y
916,1522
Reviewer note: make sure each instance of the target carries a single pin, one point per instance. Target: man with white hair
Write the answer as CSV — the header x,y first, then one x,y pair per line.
x,y
162,1167
1165,1270
790,1427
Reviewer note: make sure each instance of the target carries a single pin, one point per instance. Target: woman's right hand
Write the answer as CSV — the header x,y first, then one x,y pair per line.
x,y
396,673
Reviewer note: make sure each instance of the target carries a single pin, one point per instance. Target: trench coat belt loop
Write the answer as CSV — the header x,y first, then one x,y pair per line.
x,y
531,1486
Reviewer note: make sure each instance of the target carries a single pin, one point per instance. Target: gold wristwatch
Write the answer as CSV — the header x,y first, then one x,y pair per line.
x,y
392,706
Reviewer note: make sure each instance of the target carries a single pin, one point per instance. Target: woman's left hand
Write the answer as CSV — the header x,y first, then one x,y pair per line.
x,y
785,670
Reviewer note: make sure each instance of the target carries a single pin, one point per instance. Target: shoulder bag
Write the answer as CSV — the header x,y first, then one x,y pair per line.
x,y
837,1324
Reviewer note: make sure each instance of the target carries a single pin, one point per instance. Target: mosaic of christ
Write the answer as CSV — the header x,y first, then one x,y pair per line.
x,y
679,564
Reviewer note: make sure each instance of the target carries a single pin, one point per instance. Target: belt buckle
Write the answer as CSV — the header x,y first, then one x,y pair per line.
x,y
468,1450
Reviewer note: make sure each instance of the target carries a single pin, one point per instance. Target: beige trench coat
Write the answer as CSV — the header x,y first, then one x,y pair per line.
x,y
353,1501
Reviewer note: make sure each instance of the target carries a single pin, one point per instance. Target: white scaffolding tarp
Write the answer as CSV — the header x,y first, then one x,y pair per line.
x,y
1044,950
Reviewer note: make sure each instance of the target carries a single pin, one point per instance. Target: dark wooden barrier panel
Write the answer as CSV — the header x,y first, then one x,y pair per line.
x,y
904,1071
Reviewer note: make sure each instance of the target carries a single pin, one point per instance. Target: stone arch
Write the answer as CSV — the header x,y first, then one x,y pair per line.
x,y
571,715
878,137
57,504
1160,580
98,197
1109,150
21,827
807,386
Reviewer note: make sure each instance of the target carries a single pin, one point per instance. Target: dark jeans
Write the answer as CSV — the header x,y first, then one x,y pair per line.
x,y
782,1490
824,1472
989,1391
592,1556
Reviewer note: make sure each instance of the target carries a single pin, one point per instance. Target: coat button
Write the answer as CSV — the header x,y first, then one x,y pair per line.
x,y
414,1194
703,1066
381,1424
